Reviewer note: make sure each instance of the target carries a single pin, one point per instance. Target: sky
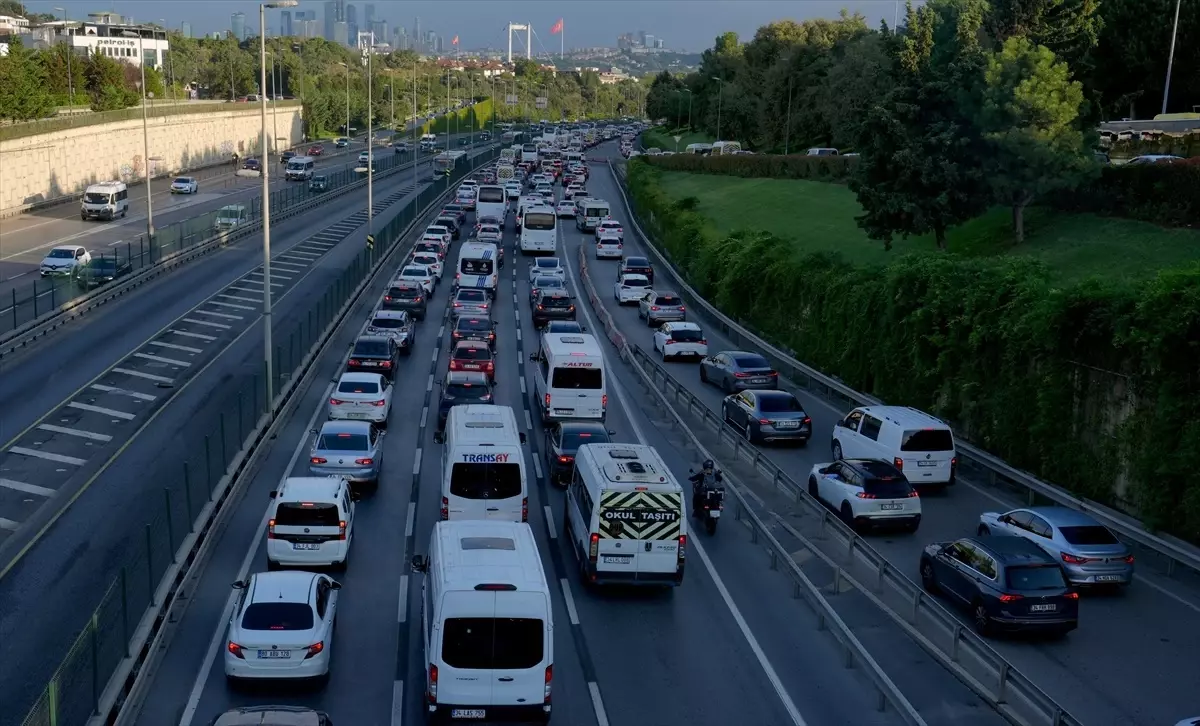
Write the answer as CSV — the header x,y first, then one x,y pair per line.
x,y
686,25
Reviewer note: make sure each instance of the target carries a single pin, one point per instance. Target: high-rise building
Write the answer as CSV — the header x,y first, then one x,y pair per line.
x,y
437,44
341,33
237,26
642,37
648,40
658,43
185,29
330,18
379,28
417,38
351,21
369,13
285,24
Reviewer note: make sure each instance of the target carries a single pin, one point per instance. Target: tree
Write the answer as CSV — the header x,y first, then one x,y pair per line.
x,y
24,92
105,84
1030,117
1069,28
856,80
64,72
662,98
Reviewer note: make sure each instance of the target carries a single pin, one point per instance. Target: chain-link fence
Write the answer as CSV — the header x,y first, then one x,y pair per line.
x,y
73,694
157,109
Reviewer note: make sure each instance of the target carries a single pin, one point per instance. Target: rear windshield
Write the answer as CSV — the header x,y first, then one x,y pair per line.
x,y
407,293
358,387
1046,577
342,442
470,266
485,481
493,644
927,440
751,361
468,352
1092,534
278,616
491,194
313,515
572,440
388,323
636,262
555,301
538,221
371,348
471,296
547,263
415,272
779,404
687,335
475,325
476,391
887,488
578,378
668,300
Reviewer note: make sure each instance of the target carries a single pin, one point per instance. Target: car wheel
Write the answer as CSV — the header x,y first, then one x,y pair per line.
x,y
928,581
726,386
837,451
983,530
650,322
749,433
703,374
979,615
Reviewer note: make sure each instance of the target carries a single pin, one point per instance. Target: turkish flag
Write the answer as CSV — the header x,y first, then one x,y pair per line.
x,y
558,27
455,41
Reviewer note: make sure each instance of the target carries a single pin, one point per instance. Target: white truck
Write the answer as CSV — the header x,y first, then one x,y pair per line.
x,y
508,156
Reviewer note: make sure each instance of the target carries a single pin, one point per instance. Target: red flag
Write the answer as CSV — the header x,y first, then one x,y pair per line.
x,y
455,41
558,27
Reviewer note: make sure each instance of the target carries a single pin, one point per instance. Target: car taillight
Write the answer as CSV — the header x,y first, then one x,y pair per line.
x,y
378,403
541,308
271,529
387,298
1071,595
593,547
525,509
314,649
1127,559
682,308
386,364
445,508
364,462
353,361
914,494
549,677
342,530
742,375
489,367
898,463
235,649
1011,598
566,459
455,365
431,687
654,307
491,336
456,334
336,401
682,552
546,400
1073,560
865,495
457,277
318,460
807,420
603,400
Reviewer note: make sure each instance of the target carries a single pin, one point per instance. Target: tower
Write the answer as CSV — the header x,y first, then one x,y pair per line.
x,y
517,28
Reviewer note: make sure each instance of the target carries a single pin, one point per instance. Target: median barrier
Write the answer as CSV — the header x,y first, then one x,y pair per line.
x,y
112,660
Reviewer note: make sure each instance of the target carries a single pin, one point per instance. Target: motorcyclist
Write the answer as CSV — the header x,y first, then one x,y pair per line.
x,y
707,478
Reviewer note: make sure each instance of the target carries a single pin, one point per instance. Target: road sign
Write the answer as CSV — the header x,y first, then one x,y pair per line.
x,y
511,99
541,101
370,241
677,138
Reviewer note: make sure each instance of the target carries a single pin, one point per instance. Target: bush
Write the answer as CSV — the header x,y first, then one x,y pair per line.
x,y
772,166
1092,387
1167,194
464,120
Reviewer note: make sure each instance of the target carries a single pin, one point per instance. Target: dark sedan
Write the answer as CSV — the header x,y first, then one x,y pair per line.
x,y
563,442
459,211
375,354
462,388
450,222
102,270
480,330
767,416
252,165
735,370
635,266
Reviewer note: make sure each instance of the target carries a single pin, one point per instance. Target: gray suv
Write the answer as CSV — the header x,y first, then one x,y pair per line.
x,y
661,307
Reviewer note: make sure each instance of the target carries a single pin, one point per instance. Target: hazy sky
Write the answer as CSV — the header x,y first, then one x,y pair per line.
x,y
682,24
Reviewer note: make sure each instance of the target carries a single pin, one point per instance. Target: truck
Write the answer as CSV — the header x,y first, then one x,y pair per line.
x,y
511,137
445,163
508,156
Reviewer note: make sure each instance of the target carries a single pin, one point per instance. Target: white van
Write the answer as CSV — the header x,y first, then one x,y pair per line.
x,y
570,380
491,201
477,267
589,213
300,168
483,465
229,217
914,442
486,624
106,200
311,523
539,230
625,517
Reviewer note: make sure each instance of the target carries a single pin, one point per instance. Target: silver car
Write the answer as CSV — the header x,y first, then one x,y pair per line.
x,y
658,307
351,449
470,302
1089,552
361,397
395,324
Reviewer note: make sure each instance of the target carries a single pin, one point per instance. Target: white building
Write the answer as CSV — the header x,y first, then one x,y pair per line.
x,y
110,40
11,25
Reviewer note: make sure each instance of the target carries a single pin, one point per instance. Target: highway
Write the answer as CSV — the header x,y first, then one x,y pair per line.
x,y
729,646
1125,663
107,412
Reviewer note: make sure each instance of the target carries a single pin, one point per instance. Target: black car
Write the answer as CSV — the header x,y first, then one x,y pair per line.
x,y
461,388
319,183
450,222
635,266
478,329
406,296
286,156
485,136
459,211
464,141
1008,584
374,354
101,270
252,165
563,441
554,305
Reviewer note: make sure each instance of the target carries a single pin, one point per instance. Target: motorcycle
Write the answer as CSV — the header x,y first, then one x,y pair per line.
x,y
707,504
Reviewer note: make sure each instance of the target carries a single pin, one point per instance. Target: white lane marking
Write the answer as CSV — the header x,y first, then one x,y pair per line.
x,y
429,384
410,521
73,432
523,391
47,456
281,263
160,359
172,346
537,468
528,421
598,704
238,297
1174,596
123,392
205,323
550,522
572,613
402,608
197,336
147,376
516,299
441,332
435,356
8,524
214,645
424,416
21,486
397,703
251,290
234,306
310,255
114,413
226,316
518,335
417,462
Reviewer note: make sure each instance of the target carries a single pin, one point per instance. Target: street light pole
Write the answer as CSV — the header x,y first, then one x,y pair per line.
x,y
787,129
370,148
145,136
416,147
720,98
1171,58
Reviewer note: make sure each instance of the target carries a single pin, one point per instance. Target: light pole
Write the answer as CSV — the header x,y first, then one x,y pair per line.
x,y
145,136
70,52
1171,58
787,128
370,147
415,146
265,167
720,95
170,61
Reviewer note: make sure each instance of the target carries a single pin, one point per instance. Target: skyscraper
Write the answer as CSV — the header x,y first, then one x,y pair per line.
x,y
285,24
380,29
340,33
185,29
351,22
237,25
416,37
330,18
369,13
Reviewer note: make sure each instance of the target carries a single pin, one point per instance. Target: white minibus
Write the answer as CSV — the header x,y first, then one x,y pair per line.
x,y
570,381
477,267
483,465
539,230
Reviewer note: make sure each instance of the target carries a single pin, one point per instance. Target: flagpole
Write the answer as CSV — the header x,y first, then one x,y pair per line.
x,y
562,41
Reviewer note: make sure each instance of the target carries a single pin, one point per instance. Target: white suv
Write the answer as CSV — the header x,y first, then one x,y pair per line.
x,y
919,445
311,523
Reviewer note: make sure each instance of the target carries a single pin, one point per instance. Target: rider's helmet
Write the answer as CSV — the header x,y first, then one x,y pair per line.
x,y
709,465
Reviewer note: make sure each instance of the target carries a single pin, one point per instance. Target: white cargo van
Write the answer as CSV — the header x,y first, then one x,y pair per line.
x,y
486,624
570,380
589,213
913,441
300,168
483,465
106,200
539,230
624,517
476,267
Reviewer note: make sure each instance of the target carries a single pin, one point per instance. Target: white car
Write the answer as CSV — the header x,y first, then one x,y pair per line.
x,y
631,289
63,260
282,626
430,242
512,190
565,209
469,184
185,185
546,266
609,247
543,189
361,397
866,492
437,230
572,191
490,233
364,157
430,260
610,227
466,197
420,274
680,340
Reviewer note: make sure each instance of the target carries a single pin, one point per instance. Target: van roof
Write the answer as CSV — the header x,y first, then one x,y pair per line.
x,y
482,425
309,488
905,416
480,552
564,345
627,466
107,185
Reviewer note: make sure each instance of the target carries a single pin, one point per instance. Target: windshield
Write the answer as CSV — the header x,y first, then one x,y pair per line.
x,y
278,616
545,282
183,180
779,404
491,194
927,440
578,378
358,387
469,266
635,281
1093,534
388,323
415,272
103,263
474,391
539,221
751,361
94,198
291,514
555,301
377,348
342,442
493,643
548,263
404,293
1045,577
294,165
61,254
485,481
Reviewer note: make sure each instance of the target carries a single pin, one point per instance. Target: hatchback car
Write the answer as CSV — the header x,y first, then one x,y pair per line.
x,y
553,305
480,330
657,307
361,397
185,185
341,143
545,283
1088,551
609,247
394,324
635,266
1008,584
735,370
406,296
680,340
264,715
460,388
492,233
439,231
866,492
430,247
562,443
471,302
282,627
316,150
457,210
430,260
546,266
767,416
565,209
419,274
63,260
374,354
472,356
610,227
350,449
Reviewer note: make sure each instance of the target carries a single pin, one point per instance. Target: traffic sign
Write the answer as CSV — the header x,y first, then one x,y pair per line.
x,y
370,241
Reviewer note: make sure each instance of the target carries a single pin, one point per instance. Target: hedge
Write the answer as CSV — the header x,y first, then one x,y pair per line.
x,y
1028,371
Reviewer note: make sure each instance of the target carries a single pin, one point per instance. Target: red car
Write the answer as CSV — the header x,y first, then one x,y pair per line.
x,y
316,150
469,355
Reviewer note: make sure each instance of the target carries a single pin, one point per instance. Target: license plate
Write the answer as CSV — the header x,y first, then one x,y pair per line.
x,y
615,559
471,368
927,463
356,415
714,513
758,380
369,364
274,654
891,507
306,546
1108,578
468,713
564,411
787,424
1042,608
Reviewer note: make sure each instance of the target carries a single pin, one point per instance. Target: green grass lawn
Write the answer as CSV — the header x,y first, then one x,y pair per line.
x,y
665,139
820,217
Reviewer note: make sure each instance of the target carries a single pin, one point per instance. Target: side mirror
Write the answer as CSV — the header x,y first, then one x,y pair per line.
x,y
533,357
439,437
274,493
239,585
314,431
523,437
420,563
612,433
840,424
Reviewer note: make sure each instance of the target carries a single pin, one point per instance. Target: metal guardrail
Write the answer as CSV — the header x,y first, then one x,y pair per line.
x,y
108,660
993,471
161,109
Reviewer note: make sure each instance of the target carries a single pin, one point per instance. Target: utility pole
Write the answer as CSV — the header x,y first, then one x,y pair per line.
x,y
1171,58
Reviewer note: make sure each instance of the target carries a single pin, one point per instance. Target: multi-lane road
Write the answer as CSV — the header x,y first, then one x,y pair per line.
x,y
107,411
731,645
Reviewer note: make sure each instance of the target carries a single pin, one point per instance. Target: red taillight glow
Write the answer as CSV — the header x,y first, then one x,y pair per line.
x,y
546,400
271,529
386,364
549,677
489,366
336,401
525,509
563,460
1128,559
378,403
593,547
913,494
314,649
431,688
1073,560
342,530
898,463
364,462
654,307
354,361
445,508
864,495
317,460
742,375
235,649
1071,596
1011,598
455,365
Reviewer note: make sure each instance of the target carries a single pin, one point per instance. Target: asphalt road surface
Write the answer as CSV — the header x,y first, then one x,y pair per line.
x,y
730,646
1122,667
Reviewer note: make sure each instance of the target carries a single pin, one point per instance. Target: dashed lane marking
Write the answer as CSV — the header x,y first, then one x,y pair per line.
x,y
147,376
21,486
161,359
205,323
173,346
46,455
80,433
234,306
111,412
223,316
123,392
198,336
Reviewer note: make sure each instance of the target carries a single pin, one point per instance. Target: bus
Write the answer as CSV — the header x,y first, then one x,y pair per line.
x,y
445,163
539,230
529,153
491,201
511,137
